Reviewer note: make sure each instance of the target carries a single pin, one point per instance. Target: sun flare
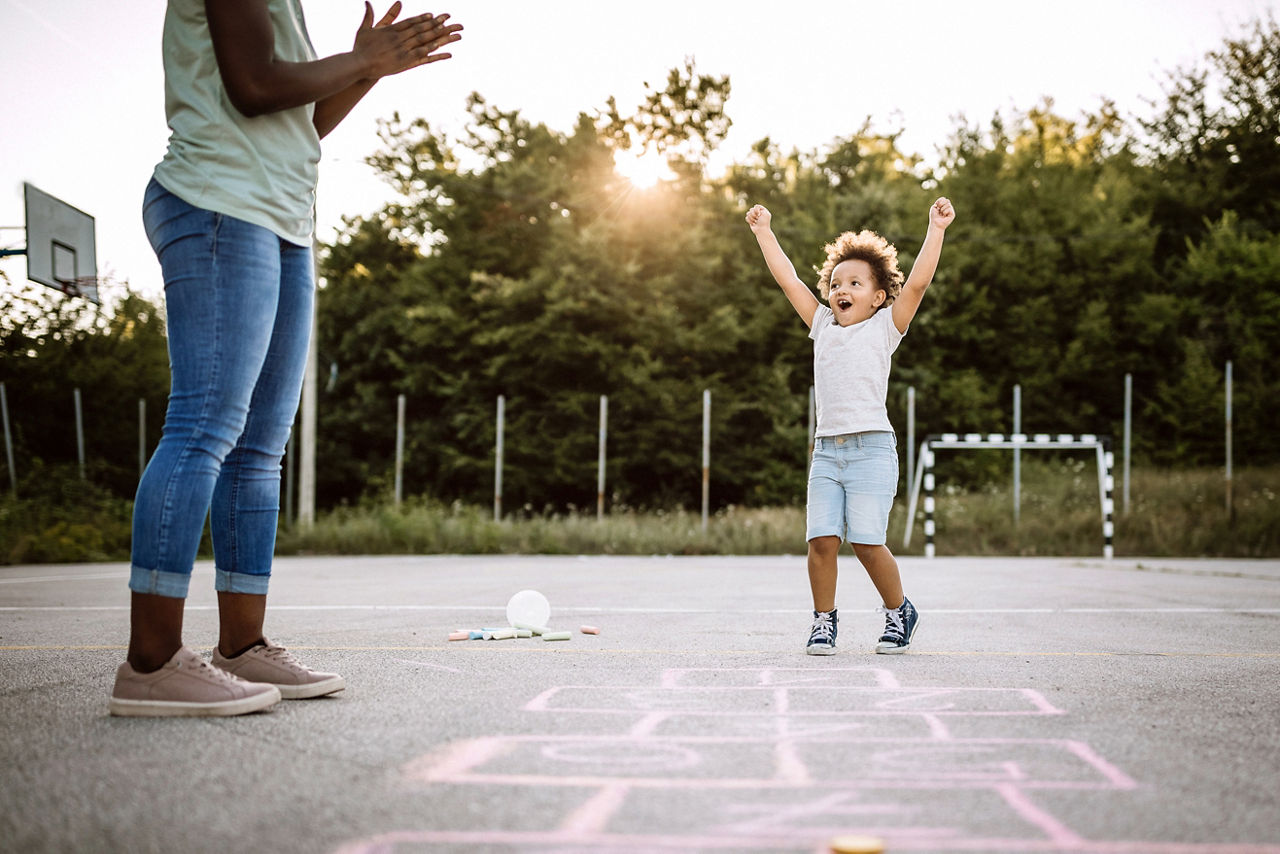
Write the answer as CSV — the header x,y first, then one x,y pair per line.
x,y
641,167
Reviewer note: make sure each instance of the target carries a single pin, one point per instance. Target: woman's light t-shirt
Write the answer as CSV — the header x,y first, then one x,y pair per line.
x,y
851,372
263,169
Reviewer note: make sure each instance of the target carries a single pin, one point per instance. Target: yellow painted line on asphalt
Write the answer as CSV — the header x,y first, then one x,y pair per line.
x,y
1107,654
55,648
498,646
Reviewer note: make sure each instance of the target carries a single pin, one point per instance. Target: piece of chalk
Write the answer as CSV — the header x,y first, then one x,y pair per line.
x,y
550,636
537,630
857,845
459,636
524,633
502,634
475,634
589,630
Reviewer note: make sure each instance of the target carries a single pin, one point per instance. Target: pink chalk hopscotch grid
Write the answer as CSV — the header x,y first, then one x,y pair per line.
x,y
781,759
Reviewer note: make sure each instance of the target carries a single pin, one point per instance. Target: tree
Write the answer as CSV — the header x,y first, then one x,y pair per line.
x,y
1230,285
1038,281
114,354
1213,143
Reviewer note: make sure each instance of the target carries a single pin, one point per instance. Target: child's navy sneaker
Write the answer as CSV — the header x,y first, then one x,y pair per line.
x,y
899,626
822,636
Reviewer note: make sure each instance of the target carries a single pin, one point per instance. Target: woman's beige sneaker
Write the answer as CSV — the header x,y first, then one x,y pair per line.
x,y
187,686
275,665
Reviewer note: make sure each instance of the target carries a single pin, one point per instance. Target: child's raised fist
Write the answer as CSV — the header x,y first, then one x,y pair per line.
x,y
759,218
942,213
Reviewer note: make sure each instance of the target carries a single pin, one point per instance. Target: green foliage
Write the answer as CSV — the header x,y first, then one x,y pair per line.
x,y
1213,143
518,262
51,345
62,518
551,281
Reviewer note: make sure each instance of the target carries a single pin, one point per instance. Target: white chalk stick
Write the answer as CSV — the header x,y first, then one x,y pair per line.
x,y
524,633
502,634
537,630
554,636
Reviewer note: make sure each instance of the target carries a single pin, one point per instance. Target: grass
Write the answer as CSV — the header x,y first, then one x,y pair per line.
x,y
1172,513
419,527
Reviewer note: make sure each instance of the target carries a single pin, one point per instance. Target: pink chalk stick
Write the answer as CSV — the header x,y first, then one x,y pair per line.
x,y
459,636
589,630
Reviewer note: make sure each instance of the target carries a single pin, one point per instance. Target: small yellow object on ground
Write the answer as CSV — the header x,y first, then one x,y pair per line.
x,y
550,636
856,845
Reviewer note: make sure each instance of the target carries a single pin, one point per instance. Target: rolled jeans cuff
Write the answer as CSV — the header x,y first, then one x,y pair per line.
x,y
240,582
159,583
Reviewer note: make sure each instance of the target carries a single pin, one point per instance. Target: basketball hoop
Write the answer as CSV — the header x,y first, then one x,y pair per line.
x,y
61,245
85,287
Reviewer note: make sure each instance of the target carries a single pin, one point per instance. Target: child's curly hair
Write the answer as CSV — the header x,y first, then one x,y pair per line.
x,y
864,246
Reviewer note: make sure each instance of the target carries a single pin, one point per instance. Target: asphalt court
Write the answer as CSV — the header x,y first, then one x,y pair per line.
x,y
1126,706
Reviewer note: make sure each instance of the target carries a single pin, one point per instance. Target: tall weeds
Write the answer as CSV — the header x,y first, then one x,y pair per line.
x,y
1172,513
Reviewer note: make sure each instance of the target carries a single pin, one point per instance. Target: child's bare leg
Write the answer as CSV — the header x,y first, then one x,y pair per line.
x,y
883,569
822,571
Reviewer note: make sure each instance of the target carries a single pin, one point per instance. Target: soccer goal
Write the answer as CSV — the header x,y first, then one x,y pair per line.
x,y
1100,445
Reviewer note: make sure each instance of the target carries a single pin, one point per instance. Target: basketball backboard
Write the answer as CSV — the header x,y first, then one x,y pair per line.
x,y
61,246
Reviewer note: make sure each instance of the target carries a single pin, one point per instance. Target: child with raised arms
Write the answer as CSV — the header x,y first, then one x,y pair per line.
x,y
854,473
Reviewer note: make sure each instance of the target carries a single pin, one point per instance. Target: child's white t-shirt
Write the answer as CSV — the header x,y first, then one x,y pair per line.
x,y
851,372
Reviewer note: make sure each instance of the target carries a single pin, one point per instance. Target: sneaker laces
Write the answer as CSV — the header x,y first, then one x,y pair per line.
x,y
282,655
893,625
823,630
204,668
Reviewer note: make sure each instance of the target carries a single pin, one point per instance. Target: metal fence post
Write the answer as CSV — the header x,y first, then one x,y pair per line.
x,y
142,436
307,434
399,488
1017,456
1230,508
812,421
911,434
706,455
8,442
1128,426
79,434
497,470
604,429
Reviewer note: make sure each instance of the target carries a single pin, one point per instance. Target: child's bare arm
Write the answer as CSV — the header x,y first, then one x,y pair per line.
x,y
784,272
908,302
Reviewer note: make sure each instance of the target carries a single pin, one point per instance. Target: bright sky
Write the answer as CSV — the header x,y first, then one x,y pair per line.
x,y
83,111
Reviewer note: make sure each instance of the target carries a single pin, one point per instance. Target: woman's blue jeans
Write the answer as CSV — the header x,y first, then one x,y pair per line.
x,y
238,301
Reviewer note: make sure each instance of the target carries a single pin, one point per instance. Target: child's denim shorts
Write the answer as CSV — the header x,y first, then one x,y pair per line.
x,y
852,482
